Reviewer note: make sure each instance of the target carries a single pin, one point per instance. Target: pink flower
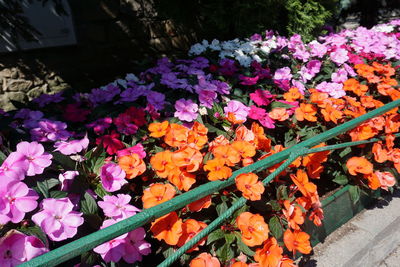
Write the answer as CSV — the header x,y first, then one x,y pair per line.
x,y
238,109
283,74
57,219
386,179
14,166
37,159
16,200
72,147
117,207
136,149
100,125
317,49
339,56
186,110
112,177
335,90
339,76
136,246
261,97
114,249
16,248
66,179
248,80
256,113
267,122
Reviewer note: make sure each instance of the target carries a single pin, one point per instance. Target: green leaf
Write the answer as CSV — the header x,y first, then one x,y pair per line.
x,y
2,157
275,227
341,179
168,252
277,104
58,194
64,160
44,186
354,192
225,253
36,231
88,204
281,193
99,162
100,191
242,246
345,152
274,205
89,258
229,238
215,235
221,208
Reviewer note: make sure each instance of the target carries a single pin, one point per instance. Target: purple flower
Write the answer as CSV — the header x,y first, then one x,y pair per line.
x,y
16,199
37,159
339,56
46,99
14,166
339,76
66,179
114,249
156,99
131,94
136,246
72,147
48,131
16,248
207,98
186,110
112,177
104,94
317,49
308,71
100,125
283,74
117,207
335,90
136,149
238,109
57,219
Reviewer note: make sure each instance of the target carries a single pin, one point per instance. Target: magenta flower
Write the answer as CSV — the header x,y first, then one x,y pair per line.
x,y
66,179
238,109
72,147
261,97
37,159
112,177
256,113
136,149
117,207
114,249
100,125
16,199
136,246
16,248
248,80
267,122
14,166
186,110
57,219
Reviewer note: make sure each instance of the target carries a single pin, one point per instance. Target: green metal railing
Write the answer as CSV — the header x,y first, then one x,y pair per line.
x,y
77,247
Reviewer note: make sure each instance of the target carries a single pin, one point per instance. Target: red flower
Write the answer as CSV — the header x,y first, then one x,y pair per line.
x,y
74,113
110,142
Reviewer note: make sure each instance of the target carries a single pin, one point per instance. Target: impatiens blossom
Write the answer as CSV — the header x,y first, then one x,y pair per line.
x,y
136,149
112,177
339,56
110,142
186,110
50,131
335,90
16,248
37,159
117,207
72,147
66,179
14,166
238,109
57,219
16,200
283,74
100,125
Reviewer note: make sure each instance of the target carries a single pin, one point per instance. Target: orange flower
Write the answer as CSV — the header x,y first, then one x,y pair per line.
x,y
354,108
158,129
354,86
198,135
247,161
307,188
386,179
132,164
313,162
198,205
253,228
261,141
318,98
330,113
317,215
227,153
392,124
244,134
306,112
368,101
286,262
279,114
162,163
176,135
245,149
217,169
363,132
394,155
373,181
239,264
167,228
232,118
205,260
297,241
293,215
270,254
249,185
157,194
190,228
357,165
187,157
220,140
182,179
380,154
292,95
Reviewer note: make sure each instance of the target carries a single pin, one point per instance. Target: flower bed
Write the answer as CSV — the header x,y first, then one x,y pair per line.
x,y
73,164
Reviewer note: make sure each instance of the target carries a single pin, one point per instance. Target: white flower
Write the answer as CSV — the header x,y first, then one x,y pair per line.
x,y
197,49
383,28
131,77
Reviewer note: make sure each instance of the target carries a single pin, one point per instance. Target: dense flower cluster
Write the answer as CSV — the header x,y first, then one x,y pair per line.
x,y
73,164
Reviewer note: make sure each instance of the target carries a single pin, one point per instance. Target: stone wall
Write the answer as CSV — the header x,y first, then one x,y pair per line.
x,y
114,37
